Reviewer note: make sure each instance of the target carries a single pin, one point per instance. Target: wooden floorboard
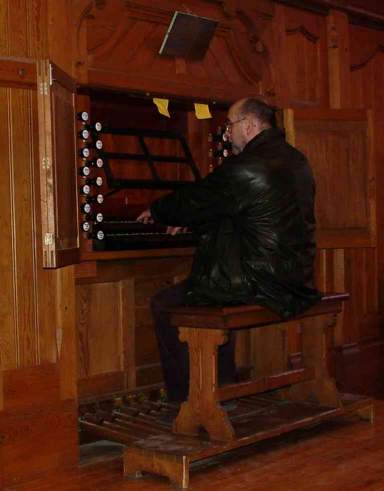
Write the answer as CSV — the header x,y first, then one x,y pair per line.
x,y
341,455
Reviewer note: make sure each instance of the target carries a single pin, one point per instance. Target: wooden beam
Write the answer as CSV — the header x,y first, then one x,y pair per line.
x,y
263,384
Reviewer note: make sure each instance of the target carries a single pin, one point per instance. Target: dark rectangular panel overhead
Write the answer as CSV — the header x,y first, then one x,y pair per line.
x,y
188,36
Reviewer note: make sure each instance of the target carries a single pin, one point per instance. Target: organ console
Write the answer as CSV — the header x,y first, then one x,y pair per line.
x,y
128,164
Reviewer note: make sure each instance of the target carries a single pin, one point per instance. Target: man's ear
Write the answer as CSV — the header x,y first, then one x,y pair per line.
x,y
253,126
249,126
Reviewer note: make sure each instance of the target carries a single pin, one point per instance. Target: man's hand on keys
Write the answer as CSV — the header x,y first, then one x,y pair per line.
x,y
145,217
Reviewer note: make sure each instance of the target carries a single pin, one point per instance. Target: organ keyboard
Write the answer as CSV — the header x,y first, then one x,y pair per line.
x,y
130,234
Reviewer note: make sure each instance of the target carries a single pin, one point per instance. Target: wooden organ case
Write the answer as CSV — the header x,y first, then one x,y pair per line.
x,y
119,72
123,263
116,344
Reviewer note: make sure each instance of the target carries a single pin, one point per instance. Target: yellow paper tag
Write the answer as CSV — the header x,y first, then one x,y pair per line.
x,y
202,111
162,106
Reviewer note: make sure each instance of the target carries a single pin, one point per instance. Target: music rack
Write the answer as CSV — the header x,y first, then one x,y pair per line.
x,y
146,156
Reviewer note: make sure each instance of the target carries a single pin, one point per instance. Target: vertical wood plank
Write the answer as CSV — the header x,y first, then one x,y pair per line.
x,y
46,315
65,332
60,26
99,309
371,172
339,273
321,279
339,286
24,226
18,34
279,57
243,350
1,390
127,302
338,59
351,320
289,126
269,350
8,332
371,271
82,307
4,37
329,271
37,34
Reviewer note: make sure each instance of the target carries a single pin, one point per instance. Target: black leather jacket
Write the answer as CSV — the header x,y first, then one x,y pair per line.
x,y
254,216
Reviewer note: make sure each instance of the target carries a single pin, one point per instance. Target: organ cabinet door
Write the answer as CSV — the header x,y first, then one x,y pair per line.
x,y
57,145
339,146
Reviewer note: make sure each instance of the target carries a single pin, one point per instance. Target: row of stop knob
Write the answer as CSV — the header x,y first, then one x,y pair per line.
x,y
90,153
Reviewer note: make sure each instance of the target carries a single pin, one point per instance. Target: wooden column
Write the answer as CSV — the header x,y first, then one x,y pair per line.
x,y
338,59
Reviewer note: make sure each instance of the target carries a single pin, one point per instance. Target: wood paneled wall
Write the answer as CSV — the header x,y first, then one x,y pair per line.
x,y
37,307
313,61
95,331
117,345
300,59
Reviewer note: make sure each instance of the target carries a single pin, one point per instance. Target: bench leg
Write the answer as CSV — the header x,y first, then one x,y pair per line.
x,y
322,389
367,413
202,409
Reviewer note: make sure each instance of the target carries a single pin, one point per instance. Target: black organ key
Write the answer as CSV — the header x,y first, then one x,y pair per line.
x,y
94,127
99,198
85,171
95,217
97,126
86,208
83,116
99,162
98,145
84,134
85,189
99,235
86,226
84,152
95,181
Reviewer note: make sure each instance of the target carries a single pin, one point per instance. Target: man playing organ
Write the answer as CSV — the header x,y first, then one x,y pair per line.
x,y
254,218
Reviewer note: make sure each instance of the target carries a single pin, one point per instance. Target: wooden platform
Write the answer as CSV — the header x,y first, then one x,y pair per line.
x,y
166,439
145,427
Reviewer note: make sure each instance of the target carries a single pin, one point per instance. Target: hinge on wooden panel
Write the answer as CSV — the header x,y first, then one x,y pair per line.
x,y
48,239
59,340
50,75
45,163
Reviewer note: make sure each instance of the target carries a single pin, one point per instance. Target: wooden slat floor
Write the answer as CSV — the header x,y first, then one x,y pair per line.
x,y
344,455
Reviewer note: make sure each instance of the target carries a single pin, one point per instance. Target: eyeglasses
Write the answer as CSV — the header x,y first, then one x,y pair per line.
x,y
229,124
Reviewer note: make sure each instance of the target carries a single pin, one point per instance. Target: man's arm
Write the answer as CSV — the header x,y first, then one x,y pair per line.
x,y
146,217
197,203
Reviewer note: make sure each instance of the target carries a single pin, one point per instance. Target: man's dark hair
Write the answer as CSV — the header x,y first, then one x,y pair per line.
x,y
261,110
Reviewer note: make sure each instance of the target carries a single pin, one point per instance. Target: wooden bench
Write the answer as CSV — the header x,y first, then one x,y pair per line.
x,y
290,400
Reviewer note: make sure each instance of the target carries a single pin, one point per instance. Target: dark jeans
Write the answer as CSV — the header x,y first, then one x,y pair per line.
x,y
174,354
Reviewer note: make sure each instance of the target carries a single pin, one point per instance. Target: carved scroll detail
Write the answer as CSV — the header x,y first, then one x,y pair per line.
x,y
313,38
379,49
